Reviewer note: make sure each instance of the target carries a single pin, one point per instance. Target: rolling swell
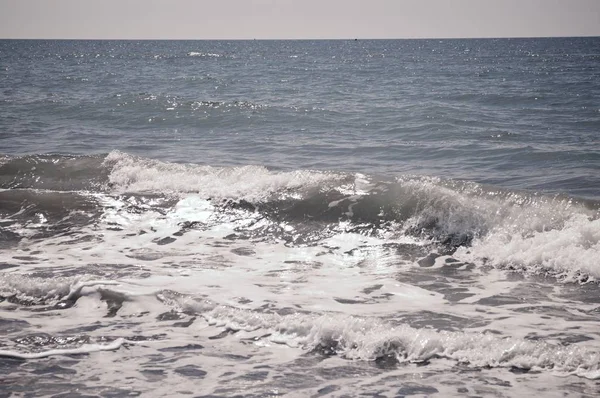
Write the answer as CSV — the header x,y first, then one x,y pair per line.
x,y
52,172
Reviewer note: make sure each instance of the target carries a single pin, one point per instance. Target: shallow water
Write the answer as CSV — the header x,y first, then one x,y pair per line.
x,y
377,218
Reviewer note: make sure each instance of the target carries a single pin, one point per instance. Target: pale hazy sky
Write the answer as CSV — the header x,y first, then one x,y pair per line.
x,y
296,19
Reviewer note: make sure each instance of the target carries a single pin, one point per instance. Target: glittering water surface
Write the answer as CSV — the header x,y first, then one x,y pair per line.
x,y
302,218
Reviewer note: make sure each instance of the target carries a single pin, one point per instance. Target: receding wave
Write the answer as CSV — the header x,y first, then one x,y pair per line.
x,y
369,339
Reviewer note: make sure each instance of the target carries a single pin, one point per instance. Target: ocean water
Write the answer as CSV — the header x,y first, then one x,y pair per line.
x,y
300,218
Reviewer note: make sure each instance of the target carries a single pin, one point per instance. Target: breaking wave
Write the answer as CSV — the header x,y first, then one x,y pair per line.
x,y
528,231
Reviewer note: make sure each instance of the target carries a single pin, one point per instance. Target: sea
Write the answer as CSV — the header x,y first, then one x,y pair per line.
x,y
328,218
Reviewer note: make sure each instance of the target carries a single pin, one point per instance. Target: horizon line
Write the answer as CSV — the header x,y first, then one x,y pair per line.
x,y
304,39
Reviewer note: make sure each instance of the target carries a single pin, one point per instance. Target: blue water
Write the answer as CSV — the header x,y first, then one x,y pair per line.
x,y
300,218
519,113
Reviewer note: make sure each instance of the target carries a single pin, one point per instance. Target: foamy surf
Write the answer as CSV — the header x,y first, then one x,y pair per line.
x,y
202,264
369,339
501,227
519,230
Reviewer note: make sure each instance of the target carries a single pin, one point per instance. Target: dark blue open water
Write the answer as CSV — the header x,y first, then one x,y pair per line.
x,y
302,218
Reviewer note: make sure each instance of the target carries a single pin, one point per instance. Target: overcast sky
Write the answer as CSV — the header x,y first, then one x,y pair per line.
x,y
296,19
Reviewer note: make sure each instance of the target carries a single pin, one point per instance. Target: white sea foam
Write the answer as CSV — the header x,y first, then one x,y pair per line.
x,y
42,288
201,54
569,251
533,233
84,349
469,208
36,287
368,339
253,183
